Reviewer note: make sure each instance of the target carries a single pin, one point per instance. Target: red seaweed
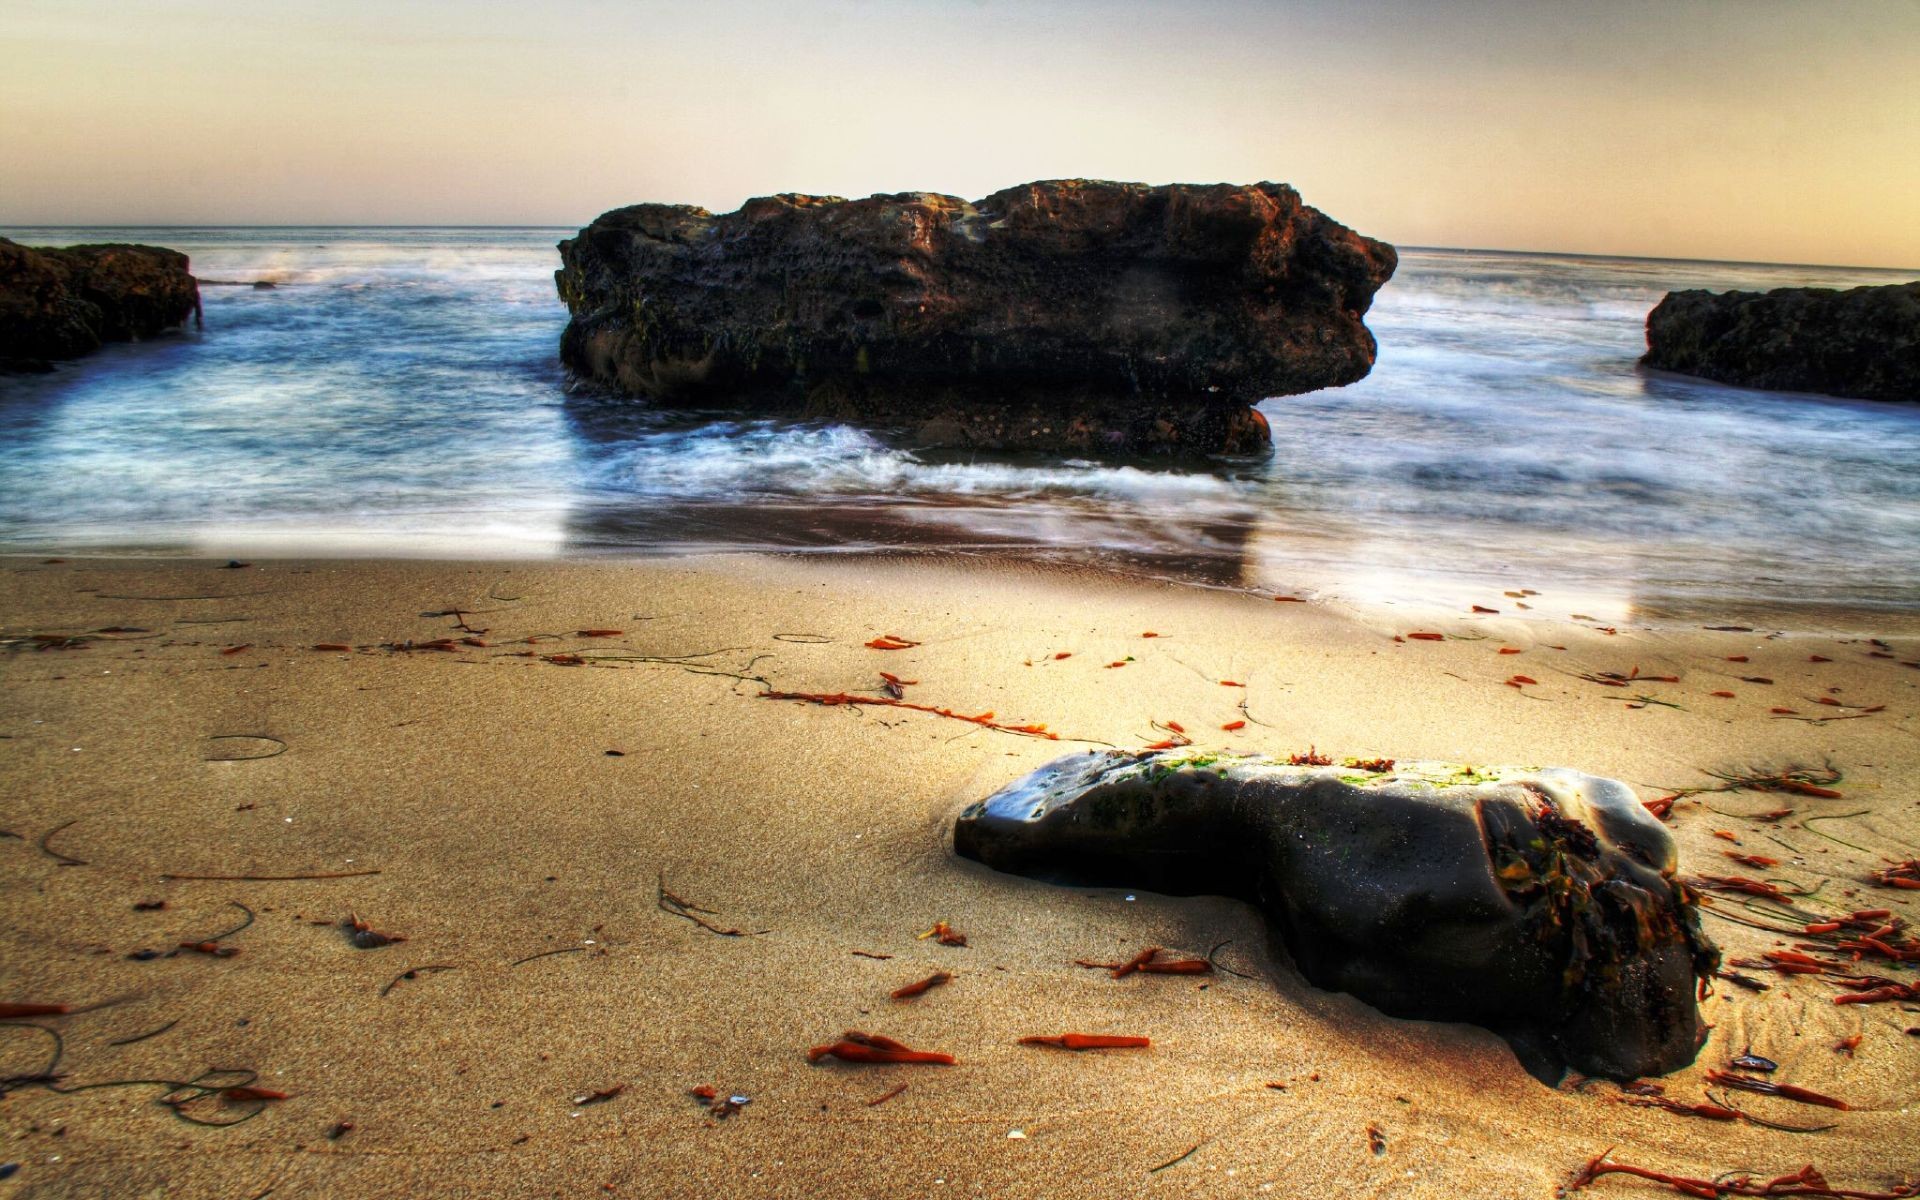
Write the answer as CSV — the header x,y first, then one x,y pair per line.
x,y
857,1047
1766,1087
1805,1182
914,989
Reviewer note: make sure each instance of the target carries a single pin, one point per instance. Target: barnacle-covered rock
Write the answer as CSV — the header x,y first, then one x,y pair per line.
x,y
1541,904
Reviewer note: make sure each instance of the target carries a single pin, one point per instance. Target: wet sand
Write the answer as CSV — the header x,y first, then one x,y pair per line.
x,y
478,782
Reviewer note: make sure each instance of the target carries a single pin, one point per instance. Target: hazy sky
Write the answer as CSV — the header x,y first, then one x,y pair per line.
x,y
1773,130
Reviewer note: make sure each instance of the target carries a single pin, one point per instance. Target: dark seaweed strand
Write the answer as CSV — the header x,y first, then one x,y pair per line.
x,y
221,596
1808,826
412,972
1758,779
269,878
1219,966
676,906
547,954
173,1099
1727,1102
180,1094
221,937
1174,1162
247,737
45,1076
1714,912
141,1037
65,860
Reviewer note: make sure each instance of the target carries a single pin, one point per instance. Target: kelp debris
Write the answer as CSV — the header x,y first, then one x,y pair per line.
x,y
1887,990
364,936
17,1009
922,986
270,878
1807,1181
1767,1087
213,947
944,934
65,860
677,906
1149,962
985,719
582,1099
887,1095
415,973
1088,1041
1904,874
857,1047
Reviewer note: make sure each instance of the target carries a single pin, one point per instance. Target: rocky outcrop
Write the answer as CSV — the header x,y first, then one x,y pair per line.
x,y
1542,904
57,304
1862,343
1070,315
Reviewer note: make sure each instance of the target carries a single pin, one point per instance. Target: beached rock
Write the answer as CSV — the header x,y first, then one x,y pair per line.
x,y
1862,343
1068,315
58,304
1539,904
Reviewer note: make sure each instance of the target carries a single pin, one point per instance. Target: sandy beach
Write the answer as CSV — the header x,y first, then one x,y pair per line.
x,y
513,810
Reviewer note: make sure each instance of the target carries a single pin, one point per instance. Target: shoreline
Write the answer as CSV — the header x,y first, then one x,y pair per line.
x,y
1666,613
478,782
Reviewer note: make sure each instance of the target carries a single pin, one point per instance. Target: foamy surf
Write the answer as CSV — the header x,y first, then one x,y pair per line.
x,y
397,392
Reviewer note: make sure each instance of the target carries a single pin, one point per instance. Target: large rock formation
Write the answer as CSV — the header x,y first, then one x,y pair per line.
x,y
1069,315
1541,904
57,304
1863,342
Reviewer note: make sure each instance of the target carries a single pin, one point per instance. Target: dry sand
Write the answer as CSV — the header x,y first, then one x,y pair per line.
x,y
480,786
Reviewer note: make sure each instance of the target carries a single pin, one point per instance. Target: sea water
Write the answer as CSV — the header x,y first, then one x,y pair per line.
x,y
397,392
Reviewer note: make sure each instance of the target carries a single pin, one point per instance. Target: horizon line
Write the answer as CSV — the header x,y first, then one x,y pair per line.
x,y
1721,262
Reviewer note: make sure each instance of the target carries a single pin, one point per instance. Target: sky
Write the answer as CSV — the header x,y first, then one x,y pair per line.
x,y
1758,130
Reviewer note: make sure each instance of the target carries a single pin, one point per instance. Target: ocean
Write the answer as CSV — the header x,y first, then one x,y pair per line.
x,y
397,393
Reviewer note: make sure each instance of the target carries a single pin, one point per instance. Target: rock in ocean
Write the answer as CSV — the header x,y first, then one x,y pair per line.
x,y
57,304
1070,315
1862,343
1539,904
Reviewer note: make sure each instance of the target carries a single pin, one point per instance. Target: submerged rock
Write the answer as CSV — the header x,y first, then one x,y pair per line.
x,y
1066,315
1862,343
1539,904
57,304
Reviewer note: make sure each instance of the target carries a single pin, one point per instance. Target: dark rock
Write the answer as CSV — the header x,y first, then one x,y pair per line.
x,y
1540,904
1069,315
58,304
1862,343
